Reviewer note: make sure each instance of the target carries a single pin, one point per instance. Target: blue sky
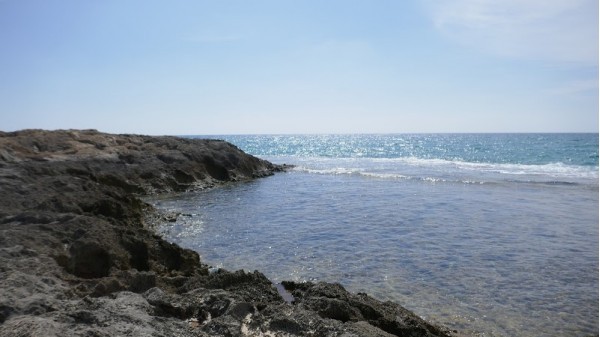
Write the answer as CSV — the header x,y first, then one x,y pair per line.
x,y
282,66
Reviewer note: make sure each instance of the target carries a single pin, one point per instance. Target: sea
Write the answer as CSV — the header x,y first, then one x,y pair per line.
x,y
488,234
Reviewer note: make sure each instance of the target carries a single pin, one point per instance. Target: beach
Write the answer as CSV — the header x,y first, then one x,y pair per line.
x,y
487,234
79,255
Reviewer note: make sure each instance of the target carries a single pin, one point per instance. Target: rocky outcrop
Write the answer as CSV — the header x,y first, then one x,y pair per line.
x,y
78,257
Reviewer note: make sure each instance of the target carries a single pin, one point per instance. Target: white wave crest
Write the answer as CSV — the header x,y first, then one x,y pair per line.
x,y
551,169
441,170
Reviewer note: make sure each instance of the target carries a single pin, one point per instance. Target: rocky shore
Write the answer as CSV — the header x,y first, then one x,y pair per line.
x,y
78,256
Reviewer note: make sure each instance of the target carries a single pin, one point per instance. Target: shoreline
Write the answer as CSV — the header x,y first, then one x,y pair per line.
x,y
78,255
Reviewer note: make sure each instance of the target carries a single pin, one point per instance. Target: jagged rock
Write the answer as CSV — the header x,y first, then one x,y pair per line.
x,y
334,302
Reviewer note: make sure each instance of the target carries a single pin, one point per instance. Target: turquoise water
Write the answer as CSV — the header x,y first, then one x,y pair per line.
x,y
490,234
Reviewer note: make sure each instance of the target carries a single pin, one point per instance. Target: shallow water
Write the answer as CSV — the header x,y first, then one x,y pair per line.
x,y
495,248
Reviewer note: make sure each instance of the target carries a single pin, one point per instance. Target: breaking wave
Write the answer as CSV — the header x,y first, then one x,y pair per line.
x,y
456,171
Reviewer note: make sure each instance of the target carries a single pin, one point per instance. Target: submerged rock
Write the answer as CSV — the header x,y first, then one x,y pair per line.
x,y
78,256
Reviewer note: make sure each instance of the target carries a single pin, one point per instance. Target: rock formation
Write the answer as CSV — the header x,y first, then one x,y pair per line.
x,y
78,256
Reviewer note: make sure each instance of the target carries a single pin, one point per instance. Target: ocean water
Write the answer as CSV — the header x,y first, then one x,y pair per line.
x,y
489,234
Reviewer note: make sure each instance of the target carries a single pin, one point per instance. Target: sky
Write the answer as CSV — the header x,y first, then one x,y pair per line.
x,y
305,66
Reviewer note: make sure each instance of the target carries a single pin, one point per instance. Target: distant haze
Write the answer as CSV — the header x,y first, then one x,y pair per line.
x,y
279,66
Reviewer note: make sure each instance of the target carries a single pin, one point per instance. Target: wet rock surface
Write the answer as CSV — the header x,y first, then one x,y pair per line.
x,y
78,256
